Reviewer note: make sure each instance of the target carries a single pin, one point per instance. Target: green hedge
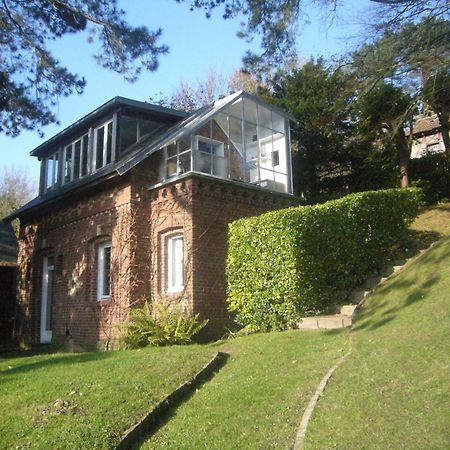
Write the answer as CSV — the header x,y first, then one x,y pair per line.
x,y
289,263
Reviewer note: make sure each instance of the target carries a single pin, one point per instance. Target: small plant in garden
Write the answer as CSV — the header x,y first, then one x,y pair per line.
x,y
169,326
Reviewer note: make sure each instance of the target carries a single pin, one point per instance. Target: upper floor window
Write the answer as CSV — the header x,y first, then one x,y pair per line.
x,y
75,158
103,145
104,271
132,129
435,147
210,157
177,158
245,141
51,170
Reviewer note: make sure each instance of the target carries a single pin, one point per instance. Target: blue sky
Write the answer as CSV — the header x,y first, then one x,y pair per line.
x,y
196,45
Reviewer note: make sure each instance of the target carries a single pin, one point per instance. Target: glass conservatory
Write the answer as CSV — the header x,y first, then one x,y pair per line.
x,y
239,138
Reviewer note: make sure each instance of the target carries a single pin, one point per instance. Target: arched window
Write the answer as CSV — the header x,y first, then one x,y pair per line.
x,y
175,263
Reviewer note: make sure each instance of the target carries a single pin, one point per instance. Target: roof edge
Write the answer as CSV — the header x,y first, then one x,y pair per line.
x,y
114,102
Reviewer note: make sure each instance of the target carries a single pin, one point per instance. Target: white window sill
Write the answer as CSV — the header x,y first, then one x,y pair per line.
x,y
175,290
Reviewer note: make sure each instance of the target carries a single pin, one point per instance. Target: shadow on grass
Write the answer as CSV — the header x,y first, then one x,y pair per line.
x,y
52,361
333,332
396,287
416,241
169,412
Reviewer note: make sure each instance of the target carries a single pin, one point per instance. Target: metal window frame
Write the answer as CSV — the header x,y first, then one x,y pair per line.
x,y
101,269
172,286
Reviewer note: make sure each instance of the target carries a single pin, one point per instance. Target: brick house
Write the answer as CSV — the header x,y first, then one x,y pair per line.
x,y
134,204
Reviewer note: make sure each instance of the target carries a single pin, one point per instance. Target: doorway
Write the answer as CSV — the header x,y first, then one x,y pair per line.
x,y
46,300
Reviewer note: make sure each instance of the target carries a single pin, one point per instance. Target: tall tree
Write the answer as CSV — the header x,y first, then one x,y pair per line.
x,y
32,78
386,110
319,98
436,93
16,189
404,56
192,96
277,21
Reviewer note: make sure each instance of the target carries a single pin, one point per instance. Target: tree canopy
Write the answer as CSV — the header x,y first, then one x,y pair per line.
x,y
32,78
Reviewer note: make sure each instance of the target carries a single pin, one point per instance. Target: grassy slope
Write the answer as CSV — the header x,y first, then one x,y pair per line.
x,y
394,390
106,394
389,394
434,219
255,401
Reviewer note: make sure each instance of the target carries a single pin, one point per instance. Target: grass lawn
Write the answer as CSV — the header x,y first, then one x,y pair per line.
x,y
105,393
435,219
393,391
256,399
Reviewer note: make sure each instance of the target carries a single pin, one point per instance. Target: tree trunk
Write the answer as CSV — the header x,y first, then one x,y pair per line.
x,y
403,152
312,174
443,117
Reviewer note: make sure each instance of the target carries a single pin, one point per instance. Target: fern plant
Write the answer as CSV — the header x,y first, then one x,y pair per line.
x,y
170,327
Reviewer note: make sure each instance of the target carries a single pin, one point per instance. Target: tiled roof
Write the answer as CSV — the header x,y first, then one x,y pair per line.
x,y
426,125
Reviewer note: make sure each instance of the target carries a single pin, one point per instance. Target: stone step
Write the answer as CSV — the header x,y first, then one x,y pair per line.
x,y
372,282
358,295
326,322
333,322
348,310
308,323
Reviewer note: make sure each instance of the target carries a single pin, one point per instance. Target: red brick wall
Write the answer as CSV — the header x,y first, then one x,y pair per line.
x,y
215,205
138,223
202,207
170,212
71,231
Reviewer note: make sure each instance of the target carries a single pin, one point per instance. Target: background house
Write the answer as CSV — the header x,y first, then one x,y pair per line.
x,y
134,206
427,136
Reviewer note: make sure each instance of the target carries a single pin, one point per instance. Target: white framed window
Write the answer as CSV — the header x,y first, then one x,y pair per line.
x,y
434,147
175,263
210,156
104,271
103,146
75,158
207,145
51,171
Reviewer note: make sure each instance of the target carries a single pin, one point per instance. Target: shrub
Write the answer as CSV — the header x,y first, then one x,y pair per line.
x,y
170,327
294,262
432,174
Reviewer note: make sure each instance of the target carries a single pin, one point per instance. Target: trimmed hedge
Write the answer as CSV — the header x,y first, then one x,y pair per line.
x,y
294,262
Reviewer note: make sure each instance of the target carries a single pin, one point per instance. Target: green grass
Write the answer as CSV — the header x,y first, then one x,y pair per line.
x,y
106,393
257,398
435,219
393,391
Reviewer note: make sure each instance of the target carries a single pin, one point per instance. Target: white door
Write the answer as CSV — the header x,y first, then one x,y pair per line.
x,y
46,300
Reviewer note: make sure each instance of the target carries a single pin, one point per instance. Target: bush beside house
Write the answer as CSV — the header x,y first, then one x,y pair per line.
x,y
432,174
293,262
